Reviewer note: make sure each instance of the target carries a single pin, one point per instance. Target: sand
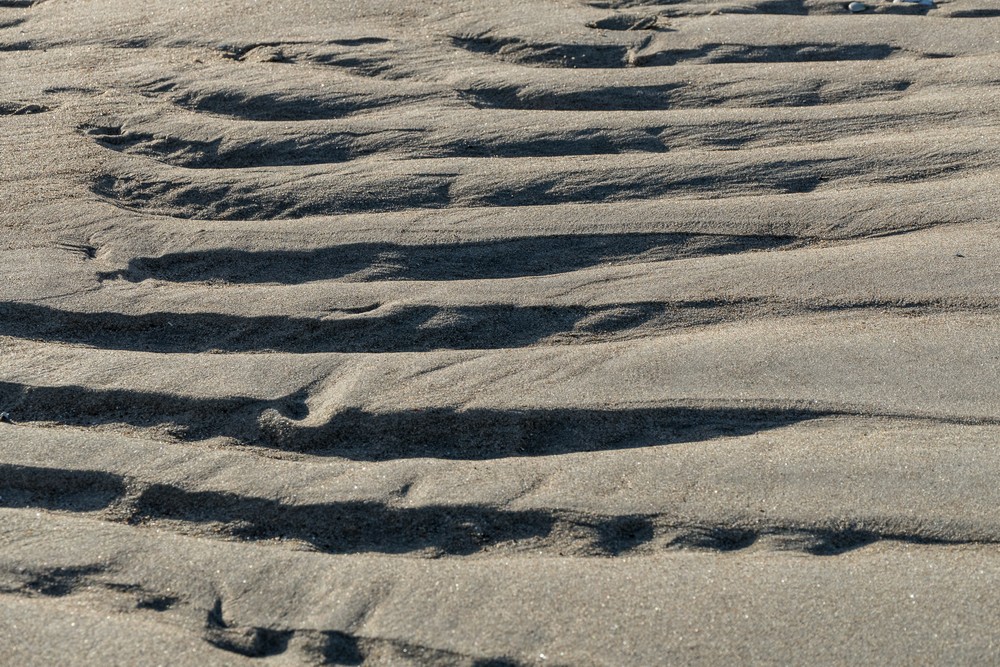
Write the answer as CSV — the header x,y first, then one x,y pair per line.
x,y
455,332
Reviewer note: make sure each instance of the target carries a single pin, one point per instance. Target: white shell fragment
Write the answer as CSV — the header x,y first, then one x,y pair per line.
x,y
857,7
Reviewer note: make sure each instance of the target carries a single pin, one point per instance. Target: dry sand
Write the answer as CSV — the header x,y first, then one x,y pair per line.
x,y
497,332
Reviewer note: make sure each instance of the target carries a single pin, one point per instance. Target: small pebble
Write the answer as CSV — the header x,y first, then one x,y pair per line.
x,y
857,7
5,417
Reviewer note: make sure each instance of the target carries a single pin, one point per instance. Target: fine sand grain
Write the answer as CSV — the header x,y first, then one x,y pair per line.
x,y
492,333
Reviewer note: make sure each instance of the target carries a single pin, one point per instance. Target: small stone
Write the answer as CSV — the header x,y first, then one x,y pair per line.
x,y
5,417
857,7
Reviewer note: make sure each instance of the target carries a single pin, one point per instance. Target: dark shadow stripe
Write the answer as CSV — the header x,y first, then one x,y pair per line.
x,y
275,106
446,433
347,527
508,258
488,434
768,53
975,14
575,55
354,527
189,196
371,329
56,489
604,98
342,147
407,329
226,153
546,54
286,105
687,95
238,201
782,7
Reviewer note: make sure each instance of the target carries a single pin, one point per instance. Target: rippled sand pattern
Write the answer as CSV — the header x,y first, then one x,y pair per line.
x,y
499,333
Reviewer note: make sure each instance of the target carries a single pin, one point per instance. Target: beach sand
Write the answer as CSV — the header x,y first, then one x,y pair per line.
x,y
455,332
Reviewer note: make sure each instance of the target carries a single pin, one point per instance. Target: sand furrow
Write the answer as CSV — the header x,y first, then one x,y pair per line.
x,y
208,142
474,260
377,329
817,218
697,8
295,192
269,91
329,407
940,270
906,476
723,39
891,359
486,614
357,527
